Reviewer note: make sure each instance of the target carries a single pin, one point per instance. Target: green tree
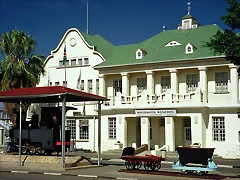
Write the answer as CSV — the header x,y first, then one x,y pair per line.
x,y
227,42
21,67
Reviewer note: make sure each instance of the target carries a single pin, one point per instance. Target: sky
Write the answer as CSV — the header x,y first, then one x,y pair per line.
x,y
118,21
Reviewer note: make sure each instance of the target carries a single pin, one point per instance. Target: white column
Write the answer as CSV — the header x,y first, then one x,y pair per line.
x,y
102,87
197,129
145,131
203,82
234,86
170,133
174,80
125,83
122,130
150,82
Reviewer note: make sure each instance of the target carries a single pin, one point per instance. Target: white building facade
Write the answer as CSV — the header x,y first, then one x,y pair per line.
x,y
167,91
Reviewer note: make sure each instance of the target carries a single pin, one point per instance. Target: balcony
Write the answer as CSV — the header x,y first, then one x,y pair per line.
x,y
145,98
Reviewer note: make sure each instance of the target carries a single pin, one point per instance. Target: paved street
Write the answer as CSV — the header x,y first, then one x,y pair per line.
x,y
17,176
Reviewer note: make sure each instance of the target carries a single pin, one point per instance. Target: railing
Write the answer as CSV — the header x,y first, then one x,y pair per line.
x,y
144,97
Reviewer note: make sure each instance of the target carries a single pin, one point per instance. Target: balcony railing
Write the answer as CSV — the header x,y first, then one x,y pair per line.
x,y
167,97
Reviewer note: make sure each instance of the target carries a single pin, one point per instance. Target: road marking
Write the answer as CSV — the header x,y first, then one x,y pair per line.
x,y
90,176
24,172
120,178
55,174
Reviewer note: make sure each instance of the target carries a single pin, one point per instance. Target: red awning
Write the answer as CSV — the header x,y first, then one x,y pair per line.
x,y
47,94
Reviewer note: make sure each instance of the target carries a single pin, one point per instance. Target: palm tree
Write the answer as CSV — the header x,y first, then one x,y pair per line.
x,y
20,68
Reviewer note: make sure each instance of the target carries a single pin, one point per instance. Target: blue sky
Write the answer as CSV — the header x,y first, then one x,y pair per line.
x,y
118,21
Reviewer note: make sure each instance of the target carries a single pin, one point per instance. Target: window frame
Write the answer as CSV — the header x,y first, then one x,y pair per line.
x,y
217,130
192,82
84,136
112,128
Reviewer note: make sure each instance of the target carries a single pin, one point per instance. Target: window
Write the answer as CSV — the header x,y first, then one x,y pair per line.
x,y
67,62
77,113
189,49
162,122
73,62
141,85
218,128
84,130
112,128
60,63
71,125
57,83
82,85
150,122
65,83
139,54
117,86
192,82
186,24
221,82
80,63
90,86
165,83
86,61
50,84
187,122
97,86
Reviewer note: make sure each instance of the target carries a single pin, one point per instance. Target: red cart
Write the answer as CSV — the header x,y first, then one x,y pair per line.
x,y
150,162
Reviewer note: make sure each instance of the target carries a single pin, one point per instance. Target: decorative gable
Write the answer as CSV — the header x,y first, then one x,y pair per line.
x,y
140,53
173,43
189,49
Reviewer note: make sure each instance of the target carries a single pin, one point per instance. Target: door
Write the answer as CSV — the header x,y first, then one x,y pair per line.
x,y
187,132
187,136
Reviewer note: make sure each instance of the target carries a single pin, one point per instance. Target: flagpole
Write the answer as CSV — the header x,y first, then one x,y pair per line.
x,y
65,64
65,76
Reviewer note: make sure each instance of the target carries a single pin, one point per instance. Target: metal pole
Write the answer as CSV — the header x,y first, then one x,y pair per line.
x,y
63,130
99,132
20,133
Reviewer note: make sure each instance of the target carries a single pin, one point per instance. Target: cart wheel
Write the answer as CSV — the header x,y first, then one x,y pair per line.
x,y
184,171
147,166
155,166
129,165
200,173
137,165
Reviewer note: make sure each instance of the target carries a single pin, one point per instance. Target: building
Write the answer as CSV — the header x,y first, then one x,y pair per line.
x,y
167,90
4,124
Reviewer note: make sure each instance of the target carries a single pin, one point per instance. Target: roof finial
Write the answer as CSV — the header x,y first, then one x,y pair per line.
x,y
189,7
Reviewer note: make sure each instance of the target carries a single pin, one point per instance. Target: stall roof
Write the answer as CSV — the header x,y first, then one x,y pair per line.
x,y
47,94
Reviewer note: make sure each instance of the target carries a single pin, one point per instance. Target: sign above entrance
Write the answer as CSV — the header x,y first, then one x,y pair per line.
x,y
146,113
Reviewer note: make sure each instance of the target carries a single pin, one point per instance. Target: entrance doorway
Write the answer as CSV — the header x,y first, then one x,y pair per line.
x,y
187,132
138,132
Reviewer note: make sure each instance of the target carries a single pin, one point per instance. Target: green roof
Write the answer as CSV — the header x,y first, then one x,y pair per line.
x,y
188,16
156,50
101,45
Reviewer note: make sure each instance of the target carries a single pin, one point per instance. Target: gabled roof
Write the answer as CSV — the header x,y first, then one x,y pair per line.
x,y
47,94
157,52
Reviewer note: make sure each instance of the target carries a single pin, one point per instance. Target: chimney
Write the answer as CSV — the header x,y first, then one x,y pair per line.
x,y
164,28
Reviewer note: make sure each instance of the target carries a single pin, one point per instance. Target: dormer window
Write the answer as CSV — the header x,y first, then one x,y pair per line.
x,y
173,43
140,53
189,48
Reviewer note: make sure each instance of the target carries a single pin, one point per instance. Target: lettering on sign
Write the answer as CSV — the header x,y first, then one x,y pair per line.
x,y
155,113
